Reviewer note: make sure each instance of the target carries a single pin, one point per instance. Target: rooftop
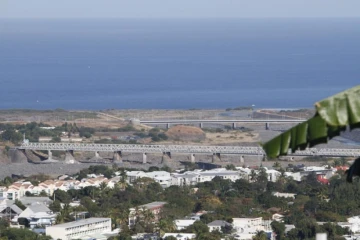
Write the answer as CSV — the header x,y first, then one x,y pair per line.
x,y
153,205
218,223
81,222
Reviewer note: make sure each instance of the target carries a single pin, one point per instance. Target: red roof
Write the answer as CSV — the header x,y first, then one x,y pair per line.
x,y
322,180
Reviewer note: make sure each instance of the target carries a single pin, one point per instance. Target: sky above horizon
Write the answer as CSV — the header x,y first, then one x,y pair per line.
x,y
179,9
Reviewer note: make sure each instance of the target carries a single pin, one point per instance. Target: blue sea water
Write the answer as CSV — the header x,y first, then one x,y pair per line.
x,y
142,63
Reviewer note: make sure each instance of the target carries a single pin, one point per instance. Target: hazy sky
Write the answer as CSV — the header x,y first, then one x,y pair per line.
x,y
177,8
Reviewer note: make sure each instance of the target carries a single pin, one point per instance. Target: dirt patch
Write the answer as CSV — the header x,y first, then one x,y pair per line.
x,y
186,133
231,137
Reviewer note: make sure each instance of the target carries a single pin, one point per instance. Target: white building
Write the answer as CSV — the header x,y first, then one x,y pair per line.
x,y
222,173
353,224
284,195
161,177
79,229
273,175
193,177
183,223
184,179
246,228
181,236
133,175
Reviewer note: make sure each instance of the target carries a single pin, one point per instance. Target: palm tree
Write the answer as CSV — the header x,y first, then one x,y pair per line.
x,y
102,186
120,215
322,194
332,116
64,215
123,183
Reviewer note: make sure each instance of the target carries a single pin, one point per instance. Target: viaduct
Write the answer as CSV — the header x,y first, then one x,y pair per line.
x,y
201,123
168,150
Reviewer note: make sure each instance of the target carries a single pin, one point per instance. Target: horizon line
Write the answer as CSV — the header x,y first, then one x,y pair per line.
x,y
177,18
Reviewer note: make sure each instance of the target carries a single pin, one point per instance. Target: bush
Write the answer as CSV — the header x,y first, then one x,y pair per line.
x,y
127,128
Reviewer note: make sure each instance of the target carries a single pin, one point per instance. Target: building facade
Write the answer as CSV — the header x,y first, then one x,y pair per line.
x,y
79,229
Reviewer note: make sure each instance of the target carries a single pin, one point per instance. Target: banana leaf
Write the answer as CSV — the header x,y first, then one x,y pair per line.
x,y
333,115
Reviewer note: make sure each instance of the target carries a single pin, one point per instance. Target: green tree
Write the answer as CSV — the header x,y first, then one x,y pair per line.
x,y
55,206
61,196
230,167
20,204
198,227
22,234
170,238
11,135
279,229
124,236
260,235
307,228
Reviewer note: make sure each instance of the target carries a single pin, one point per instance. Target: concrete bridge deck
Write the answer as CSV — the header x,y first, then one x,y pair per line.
x,y
222,121
186,149
137,148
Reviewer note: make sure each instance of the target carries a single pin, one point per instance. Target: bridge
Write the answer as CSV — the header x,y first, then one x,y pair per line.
x,y
167,150
232,121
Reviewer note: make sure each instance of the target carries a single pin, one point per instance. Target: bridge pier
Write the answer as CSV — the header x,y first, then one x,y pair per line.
x,y
69,157
117,157
17,155
144,158
234,125
201,125
167,125
49,155
166,156
192,157
216,157
267,126
242,159
96,157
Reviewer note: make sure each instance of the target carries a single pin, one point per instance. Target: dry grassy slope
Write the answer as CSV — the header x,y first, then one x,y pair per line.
x,y
186,133
3,155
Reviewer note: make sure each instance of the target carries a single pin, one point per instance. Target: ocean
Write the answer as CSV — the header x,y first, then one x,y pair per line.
x,y
176,64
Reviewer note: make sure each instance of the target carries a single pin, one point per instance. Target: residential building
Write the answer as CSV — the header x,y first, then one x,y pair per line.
x,y
273,175
320,172
79,229
183,223
27,201
38,215
161,177
217,225
153,207
133,175
184,179
193,177
9,210
246,228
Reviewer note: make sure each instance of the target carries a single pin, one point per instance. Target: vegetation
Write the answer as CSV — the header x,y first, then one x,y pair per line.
x,y
21,234
221,198
332,116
